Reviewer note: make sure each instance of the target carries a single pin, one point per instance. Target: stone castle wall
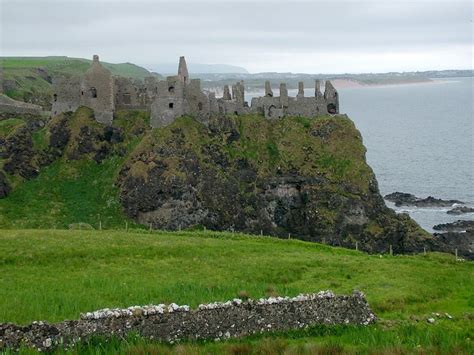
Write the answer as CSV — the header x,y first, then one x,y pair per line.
x,y
11,108
179,95
215,321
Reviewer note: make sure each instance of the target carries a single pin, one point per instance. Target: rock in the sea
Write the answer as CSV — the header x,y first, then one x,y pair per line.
x,y
406,199
461,210
458,226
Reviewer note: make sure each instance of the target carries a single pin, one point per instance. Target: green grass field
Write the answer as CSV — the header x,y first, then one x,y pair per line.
x,y
56,274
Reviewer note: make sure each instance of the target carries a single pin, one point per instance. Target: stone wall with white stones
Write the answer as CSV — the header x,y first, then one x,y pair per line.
x,y
214,321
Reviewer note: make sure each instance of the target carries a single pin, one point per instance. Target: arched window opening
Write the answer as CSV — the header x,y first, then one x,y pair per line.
x,y
171,89
171,105
55,96
93,92
332,109
200,106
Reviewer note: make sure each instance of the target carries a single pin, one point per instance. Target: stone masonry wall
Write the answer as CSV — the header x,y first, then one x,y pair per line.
x,y
179,95
214,321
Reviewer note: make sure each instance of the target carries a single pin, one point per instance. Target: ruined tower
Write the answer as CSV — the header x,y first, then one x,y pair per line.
x,y
177,96
97,91
183,70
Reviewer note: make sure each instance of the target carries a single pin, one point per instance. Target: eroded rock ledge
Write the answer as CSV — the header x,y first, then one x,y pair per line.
x,y
214,321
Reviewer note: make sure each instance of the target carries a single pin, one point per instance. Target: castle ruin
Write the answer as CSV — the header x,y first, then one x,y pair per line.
x,y
179,95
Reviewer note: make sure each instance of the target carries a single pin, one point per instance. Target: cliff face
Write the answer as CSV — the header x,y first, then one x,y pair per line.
x,y
298,177
307,178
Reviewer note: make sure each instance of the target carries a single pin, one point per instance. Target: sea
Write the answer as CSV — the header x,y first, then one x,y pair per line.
x,y
419,140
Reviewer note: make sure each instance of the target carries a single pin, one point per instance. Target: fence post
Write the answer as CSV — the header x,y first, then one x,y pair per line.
x,y
289,235
150,227
456,253
100,225
357,246
261,232
126,226
391,250
424,250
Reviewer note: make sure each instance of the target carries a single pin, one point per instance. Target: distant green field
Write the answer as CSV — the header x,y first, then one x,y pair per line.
x,y
29,78
56,274
67,65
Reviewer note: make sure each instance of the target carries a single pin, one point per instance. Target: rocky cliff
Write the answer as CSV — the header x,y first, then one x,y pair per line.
x,y
303,178
294,177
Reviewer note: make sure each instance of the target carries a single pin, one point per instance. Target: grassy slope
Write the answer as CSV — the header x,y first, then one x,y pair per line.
x,y
52,275
69,191
24,70
80,191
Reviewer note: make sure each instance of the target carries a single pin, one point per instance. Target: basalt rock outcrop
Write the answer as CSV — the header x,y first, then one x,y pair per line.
x,y
457,226
20,155
405,199
449,242
306,178
460,210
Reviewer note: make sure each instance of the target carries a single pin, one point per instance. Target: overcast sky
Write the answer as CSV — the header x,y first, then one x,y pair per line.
x,y
298,36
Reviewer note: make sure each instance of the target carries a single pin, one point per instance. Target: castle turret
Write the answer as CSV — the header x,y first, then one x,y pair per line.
x,y
300,89
268,89
183,70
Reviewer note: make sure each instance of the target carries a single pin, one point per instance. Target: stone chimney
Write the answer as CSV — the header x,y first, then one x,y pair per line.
x,y
300,89
226,95
317,89
283,95
183,70
268,89
95,58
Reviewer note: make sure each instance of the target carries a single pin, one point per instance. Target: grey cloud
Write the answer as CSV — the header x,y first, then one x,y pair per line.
x,y
148,32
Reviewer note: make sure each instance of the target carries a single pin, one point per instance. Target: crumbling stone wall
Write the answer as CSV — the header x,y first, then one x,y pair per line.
x,y
11,108
66,96
131,94
95,89
215,321
274,107
179,95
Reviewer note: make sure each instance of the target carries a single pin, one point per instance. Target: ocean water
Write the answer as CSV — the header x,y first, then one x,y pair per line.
x,y
419,139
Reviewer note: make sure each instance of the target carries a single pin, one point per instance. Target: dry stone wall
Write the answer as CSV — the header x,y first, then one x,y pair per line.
x,y
214,321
